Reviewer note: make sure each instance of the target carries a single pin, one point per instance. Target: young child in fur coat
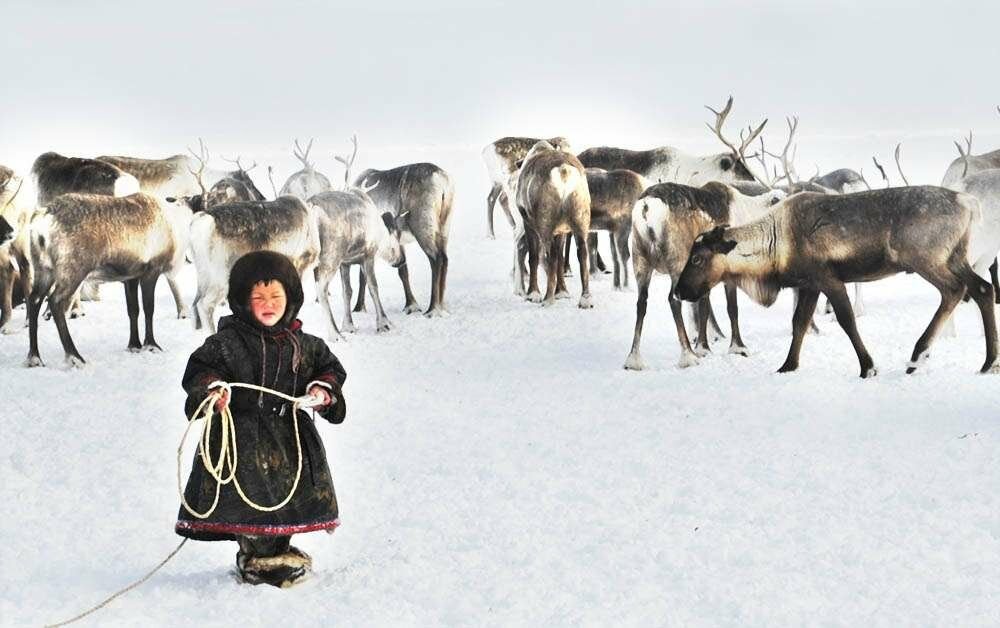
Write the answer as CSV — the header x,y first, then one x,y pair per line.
x,y
263,343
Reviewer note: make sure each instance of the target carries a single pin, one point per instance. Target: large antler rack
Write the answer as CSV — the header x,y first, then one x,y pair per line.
x,y
746,138
303,155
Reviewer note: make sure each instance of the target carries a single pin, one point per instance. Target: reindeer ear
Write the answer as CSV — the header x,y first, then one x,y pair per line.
x,y
518,164
724,246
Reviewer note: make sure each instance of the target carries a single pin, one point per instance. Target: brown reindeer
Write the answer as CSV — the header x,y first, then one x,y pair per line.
x,y
817,242
554,200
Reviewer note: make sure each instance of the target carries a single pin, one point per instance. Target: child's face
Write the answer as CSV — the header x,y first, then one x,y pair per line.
x,y
267,302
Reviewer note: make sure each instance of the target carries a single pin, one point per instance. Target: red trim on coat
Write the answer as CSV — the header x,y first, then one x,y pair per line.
x,y
255,529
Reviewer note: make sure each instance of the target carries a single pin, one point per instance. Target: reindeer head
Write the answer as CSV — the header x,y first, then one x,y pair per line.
x,y
390,248
705,265
731,166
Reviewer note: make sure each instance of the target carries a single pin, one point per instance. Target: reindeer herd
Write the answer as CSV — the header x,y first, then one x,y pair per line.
x,y
702,220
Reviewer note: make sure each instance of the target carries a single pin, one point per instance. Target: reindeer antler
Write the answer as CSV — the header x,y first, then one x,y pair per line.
x,y
349,161
303,155
720,119
900,168
760,156
202,157
789,164
882,170
270,177
238,165
965,154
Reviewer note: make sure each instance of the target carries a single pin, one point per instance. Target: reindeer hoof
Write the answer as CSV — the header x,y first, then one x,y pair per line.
x,y
534,297
152,347
33,361
384,327
586,302
75,362
993,370
435,313
739,350
549,302
871,371
701,352
634,363
348,328
8,330
134,348
687,360
788,368
412,308
184,314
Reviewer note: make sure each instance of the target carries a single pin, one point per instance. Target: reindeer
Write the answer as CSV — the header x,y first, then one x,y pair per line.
x,y
817,242
666,219
612,195
175,177
984,242
501,158
306,182
553,198
352,231
966,163
420,196
222,234
132,239
15,268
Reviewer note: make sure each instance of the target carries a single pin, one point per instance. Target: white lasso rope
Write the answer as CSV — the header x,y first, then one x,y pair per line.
x,y
215,469
228,455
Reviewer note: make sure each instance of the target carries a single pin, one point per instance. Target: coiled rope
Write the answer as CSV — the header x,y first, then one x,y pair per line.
x,y
227,458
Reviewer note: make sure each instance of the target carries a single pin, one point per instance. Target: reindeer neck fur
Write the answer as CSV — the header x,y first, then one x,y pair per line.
x,y
758,259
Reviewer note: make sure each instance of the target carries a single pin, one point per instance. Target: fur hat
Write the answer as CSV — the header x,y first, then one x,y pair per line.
x,y
264,266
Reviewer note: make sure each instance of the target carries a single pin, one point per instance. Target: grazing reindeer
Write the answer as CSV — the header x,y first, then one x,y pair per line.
x,y
817,242
306,182
420,196
352,231
501,158
665,222
842,180
55,175
554,200
132,239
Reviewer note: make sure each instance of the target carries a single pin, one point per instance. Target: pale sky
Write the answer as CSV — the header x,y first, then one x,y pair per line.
x,y
134,76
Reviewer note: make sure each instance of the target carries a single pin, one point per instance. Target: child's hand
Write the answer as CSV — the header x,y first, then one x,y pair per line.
x,y
320,393
223,398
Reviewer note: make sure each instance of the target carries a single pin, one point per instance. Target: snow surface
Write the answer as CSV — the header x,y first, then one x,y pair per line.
x,y
499,467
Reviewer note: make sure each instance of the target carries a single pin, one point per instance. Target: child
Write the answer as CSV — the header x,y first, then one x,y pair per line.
x,y
263,343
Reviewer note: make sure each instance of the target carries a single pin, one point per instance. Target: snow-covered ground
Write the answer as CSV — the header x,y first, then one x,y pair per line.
x,y
499,467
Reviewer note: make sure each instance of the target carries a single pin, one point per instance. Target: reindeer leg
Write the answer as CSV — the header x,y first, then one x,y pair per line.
x,y
813,329
836,292
688,356
995,276
443,275
33,304
345,281
804,308
382,323
411,306
732,308
634,360
360,306
616,278
491,200
132,306
859,302
983,294
597,262
552,267
562,292
148,287
175,290
6,298
701,345
434,308
567,267
583,257
58,308
534,246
